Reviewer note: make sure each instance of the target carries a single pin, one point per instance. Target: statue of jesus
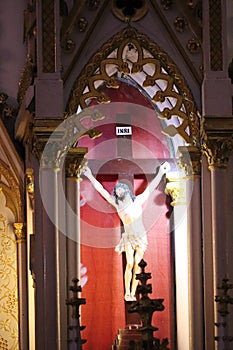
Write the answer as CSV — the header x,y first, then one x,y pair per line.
x,y
129,208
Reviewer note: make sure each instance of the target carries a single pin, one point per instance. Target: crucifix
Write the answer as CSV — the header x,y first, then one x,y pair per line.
x,y
129,207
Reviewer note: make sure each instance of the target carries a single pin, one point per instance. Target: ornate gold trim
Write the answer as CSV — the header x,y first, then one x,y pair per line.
x,y
11,191
175,188
20,232
75,162
9,303
218,152
41,132
217,133
176,88
9,150
190,160
53,139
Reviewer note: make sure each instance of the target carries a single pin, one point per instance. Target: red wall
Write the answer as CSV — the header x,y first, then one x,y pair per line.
x,y
104,312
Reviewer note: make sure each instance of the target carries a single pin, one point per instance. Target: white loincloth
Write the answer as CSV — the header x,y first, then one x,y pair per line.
x,y
132,241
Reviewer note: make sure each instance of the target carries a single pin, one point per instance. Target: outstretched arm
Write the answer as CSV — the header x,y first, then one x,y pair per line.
x,y
97,185
163,169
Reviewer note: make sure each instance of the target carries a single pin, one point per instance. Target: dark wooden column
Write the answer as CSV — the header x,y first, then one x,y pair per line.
x,y
49,111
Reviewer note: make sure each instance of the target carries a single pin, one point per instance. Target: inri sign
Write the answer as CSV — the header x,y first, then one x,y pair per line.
x,y
124,130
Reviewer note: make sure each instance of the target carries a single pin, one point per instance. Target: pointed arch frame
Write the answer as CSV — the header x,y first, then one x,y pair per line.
x,y
175,88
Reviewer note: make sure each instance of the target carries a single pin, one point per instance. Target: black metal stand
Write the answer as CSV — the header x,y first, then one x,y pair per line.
x,y
75,340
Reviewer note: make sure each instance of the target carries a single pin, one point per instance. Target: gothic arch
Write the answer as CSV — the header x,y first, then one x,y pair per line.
x,y
132,54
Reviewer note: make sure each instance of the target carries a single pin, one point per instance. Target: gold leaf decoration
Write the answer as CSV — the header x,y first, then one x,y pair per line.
x,y
8,287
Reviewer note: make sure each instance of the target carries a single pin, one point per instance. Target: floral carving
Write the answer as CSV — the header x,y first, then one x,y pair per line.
x,y
8,290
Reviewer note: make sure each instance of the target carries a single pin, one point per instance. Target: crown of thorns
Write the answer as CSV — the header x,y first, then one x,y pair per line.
x,y
125,187
121,185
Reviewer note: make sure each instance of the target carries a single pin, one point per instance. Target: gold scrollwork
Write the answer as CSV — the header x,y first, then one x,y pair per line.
x,y
175,188
217,133
75,162
218,152
9,318
190,160
20,232
52,142
11,191
53,155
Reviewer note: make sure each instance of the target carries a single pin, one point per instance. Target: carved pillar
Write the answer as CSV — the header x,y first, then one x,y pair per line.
x,y
74,169
189,159
20,234
176,188
217,135
49,284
